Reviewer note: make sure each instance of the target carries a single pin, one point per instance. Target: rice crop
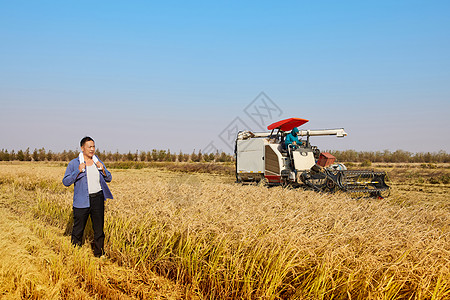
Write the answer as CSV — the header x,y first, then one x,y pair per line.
x,y
221,240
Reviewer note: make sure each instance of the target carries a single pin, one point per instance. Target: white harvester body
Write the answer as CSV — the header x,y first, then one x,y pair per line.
x,y
260,155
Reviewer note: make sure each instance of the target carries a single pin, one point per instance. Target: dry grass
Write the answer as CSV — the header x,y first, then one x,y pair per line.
x,y
37,261
185,167
222,240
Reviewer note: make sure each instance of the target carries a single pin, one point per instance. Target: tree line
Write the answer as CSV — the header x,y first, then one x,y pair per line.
x,y
386,156
108,156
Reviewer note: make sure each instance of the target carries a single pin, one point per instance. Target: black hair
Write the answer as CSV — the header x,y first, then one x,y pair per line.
x,y
86,139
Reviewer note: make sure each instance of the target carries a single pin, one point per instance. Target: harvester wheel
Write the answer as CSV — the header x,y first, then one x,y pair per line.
x,y
284,182
331,186
263,182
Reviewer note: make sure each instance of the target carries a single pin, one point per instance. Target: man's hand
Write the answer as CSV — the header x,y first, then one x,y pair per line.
x,y
100,167
82,167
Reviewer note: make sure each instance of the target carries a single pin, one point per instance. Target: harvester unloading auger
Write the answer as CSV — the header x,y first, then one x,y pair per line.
x,y
262,156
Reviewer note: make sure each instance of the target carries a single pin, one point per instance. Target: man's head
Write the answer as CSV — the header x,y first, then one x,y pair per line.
x,y
88,146
295,131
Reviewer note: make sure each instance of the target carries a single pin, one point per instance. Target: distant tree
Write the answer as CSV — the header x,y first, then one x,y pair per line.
x,y
154,155
442,157
142,156
71,154
27,154
41,154
20,155
12,155
63,156
35,155
173,157
208,157
224,157
109,156
116,156
101,154
161,155
129,156
49,155
194,156
168,156
4,155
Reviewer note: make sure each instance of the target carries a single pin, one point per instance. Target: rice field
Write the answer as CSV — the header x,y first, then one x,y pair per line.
x,y
178,235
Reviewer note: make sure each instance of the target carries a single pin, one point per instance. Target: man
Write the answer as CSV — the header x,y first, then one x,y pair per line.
x,y
89,176
292,139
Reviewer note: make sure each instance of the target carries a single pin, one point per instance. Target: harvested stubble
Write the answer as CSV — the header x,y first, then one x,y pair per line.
x,y
224,240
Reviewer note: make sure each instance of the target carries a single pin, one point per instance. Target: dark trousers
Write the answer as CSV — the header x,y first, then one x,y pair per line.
x,y
97,213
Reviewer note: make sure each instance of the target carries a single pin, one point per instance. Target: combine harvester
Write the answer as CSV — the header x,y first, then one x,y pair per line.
x,y
261,156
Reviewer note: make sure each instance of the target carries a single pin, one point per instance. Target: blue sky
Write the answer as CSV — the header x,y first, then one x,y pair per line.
x,y
176,75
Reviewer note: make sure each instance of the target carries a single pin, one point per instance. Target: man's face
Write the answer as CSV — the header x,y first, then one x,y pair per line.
x,y
88,149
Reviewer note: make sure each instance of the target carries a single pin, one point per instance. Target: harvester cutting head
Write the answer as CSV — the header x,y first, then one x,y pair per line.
x,y
263,156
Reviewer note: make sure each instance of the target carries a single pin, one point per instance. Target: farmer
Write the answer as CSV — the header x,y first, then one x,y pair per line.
x,y
89,176
292,139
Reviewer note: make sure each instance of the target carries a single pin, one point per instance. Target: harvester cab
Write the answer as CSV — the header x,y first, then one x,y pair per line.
x,y
263,156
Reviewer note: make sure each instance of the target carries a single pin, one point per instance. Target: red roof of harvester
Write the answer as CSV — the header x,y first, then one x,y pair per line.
x,y
288,124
